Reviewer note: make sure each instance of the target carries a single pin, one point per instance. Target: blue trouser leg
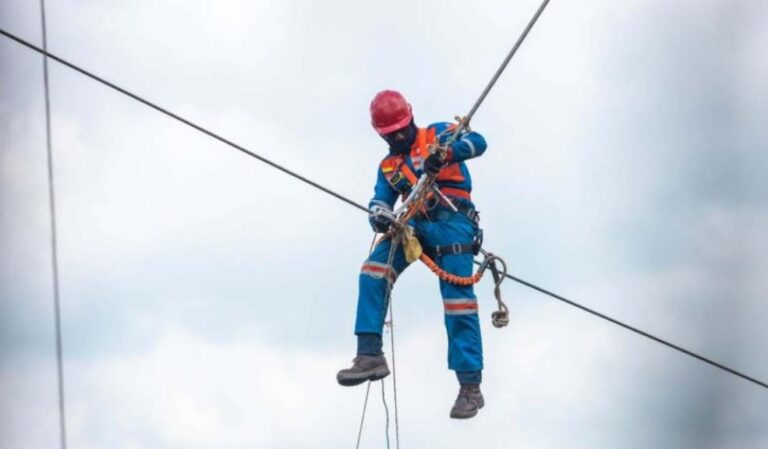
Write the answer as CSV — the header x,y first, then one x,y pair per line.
x,y
465,347
371,300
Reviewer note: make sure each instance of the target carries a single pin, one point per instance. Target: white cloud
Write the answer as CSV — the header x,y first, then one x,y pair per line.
x,y
188,392
208,300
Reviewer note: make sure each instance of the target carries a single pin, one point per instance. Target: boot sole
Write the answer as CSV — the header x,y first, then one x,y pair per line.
x,y
463,416
350,380
472,414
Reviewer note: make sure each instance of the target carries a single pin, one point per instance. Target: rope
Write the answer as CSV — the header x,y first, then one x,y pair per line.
x,y
361,207
390,324
499,318
362,419
54,242
386,409
390,280
448,277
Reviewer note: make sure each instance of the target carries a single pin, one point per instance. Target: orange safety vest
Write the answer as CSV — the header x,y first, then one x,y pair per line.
x,y
395,169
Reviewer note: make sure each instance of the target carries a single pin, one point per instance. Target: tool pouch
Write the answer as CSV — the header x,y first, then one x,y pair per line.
x,y
411,245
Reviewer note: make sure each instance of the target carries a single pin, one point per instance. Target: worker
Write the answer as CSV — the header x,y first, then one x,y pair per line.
x,y
448,236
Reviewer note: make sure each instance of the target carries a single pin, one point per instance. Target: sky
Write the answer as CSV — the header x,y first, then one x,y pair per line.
x,y
208,300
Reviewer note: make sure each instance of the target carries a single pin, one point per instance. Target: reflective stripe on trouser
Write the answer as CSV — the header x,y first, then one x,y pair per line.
x,y
465,349
465,346
371,301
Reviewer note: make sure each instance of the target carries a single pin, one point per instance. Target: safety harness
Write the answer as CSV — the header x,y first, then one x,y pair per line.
x,y
402,178
422,197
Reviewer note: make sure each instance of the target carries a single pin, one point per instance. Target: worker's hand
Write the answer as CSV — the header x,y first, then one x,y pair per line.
x,y
379,223
433,163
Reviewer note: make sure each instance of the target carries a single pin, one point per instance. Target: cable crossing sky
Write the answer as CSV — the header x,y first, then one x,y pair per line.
x,y
363,208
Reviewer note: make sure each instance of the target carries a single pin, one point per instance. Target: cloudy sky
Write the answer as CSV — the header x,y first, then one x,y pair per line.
x,y
208,300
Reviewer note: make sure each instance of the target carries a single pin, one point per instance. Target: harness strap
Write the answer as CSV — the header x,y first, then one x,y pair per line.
x,y
450,250
458,193
442,213
408,173
457,248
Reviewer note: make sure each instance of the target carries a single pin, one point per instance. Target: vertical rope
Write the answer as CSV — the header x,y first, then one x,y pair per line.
x,y
54,243
388,296
362,419
388,307
386,411
394,364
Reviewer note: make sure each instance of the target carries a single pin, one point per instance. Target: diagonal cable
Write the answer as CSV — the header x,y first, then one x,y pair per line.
x,y
636,330
54,243
464,122
181,119
364,209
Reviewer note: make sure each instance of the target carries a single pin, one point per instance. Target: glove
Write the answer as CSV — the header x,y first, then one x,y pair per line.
x,y
379,223
433,164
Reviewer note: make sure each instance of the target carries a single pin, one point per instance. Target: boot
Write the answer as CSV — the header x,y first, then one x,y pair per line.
x,y
364,368
469,401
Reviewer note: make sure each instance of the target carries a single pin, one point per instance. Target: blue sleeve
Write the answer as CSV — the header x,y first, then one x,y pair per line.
x,y
383,193
467,145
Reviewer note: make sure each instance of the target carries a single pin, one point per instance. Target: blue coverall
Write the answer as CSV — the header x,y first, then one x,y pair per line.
x,y
442,227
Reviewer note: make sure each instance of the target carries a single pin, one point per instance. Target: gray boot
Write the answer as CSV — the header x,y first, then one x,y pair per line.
x,y
365,367
469,401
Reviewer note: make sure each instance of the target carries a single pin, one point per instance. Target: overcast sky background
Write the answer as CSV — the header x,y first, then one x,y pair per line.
x,y
208,300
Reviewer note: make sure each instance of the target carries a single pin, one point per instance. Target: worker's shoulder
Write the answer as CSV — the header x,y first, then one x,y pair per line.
x,y
389,162
441,126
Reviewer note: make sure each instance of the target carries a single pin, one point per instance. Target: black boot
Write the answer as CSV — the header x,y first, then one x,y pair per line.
x,y
365,367
469,401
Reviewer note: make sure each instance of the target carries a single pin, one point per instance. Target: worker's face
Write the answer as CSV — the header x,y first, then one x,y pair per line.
x,y
401,140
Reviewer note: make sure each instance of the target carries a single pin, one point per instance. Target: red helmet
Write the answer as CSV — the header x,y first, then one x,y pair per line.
x,y
390,111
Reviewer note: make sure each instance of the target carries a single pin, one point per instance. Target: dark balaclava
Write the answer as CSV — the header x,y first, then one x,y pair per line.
x,y
402,145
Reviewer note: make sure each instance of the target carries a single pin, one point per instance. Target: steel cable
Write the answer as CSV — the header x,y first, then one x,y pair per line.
x,y
183,120
636,330
463,122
